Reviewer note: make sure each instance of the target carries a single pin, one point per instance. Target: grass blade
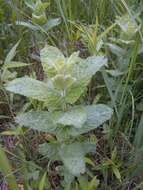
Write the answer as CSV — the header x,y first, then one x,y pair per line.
x,y
6,169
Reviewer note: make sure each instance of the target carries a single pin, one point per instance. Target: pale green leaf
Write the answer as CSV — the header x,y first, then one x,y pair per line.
x,y
83,73
49,150
92,65
52,23
72,156
29,87
54,100
96,116
75,117
27,25
85,69
16,64
11,53
115,72
89,145
50,54
30,4
75,91
42,121
99,44
115,49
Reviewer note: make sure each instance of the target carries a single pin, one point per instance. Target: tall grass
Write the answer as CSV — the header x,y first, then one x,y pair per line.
x,y
85,11
82,12
6,170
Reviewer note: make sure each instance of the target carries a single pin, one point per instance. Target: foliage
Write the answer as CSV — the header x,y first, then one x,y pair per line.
x,y
65,81
71,112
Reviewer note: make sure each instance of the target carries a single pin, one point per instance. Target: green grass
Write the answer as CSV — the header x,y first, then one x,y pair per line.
x,y
6,169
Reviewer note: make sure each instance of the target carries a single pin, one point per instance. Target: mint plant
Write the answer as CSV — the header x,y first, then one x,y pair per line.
x,y
38,11
66,80
39,21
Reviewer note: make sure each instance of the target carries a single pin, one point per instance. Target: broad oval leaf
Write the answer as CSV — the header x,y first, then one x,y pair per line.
x,y
49,150
72,156
96,116
49,55
85,69
52,23
95,64
89,145
75,117
42,121
83,73
29,87
115,49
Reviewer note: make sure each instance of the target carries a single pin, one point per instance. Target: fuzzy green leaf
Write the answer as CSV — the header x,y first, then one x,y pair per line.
x,y
42,121
89,145
83,73
29,87
94,64
49,150
72,156
49,55
96,116
52,23
15,64
75,117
